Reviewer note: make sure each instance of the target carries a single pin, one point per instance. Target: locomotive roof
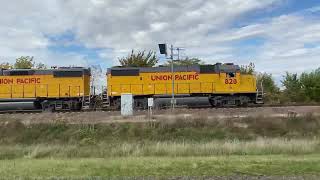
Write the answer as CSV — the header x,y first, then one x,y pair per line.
x,y
12,72
216,68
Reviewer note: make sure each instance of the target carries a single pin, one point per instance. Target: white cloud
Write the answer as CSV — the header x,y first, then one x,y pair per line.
x,y
120,25
203,27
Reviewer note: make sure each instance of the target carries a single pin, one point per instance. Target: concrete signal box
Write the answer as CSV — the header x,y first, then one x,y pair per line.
x,y
126,104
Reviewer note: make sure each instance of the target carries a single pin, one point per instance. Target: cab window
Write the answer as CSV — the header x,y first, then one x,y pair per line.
x,y
231,75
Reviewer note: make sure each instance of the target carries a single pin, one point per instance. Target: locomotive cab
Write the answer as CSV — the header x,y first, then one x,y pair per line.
x,y
229,76
231,91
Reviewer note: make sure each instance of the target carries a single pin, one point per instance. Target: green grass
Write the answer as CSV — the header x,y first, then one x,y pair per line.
x,y
163,149
280,165
175,147
176,130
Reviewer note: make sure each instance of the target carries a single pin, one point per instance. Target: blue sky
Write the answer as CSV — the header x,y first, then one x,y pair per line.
x,y
276,35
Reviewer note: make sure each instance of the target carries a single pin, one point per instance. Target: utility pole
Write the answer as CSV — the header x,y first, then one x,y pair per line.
x,y
179,49
172,74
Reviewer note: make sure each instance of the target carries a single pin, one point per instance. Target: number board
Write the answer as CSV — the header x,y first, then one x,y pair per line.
x,y
231,81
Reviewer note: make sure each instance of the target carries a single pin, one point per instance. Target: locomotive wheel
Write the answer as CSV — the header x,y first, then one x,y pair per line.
x,y
37,104
212,103
117,104
48,108
141,103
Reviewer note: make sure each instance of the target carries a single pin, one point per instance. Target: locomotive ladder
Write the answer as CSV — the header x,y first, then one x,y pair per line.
x,y
86,102
105,99
259,95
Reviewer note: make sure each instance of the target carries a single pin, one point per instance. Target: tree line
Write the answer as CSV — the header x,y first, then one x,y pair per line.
x,y
23,62
303,88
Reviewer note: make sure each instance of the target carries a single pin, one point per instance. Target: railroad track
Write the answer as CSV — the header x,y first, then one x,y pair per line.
x,y
178,109
19,111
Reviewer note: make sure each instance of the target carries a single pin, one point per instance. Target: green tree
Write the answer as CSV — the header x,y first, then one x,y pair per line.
x,y
24,62
293,88
248,69
272,92
185,62
310,83
40,66
139,59
5,65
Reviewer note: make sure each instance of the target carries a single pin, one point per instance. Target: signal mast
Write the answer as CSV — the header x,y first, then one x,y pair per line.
x,y
163,50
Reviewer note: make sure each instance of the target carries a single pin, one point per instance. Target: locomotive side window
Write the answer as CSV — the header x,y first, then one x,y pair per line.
x,y
207,69
67,73
125,72
232,75
19,73
231,78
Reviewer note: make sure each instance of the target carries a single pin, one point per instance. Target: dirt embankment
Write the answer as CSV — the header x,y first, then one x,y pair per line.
x,y
142,116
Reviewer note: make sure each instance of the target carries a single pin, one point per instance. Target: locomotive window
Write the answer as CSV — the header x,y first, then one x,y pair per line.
x,y
20,73
232,75
207,69
67,73
125,72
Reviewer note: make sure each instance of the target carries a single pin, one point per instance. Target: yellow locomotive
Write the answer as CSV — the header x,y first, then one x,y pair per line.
x,y
223,84
52,89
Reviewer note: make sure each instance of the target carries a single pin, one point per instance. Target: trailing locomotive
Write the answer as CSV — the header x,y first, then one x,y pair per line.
x,y
223,84
52,89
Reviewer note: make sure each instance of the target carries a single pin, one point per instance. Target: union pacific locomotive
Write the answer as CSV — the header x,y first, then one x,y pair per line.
x,y
69,88
223,84
53,89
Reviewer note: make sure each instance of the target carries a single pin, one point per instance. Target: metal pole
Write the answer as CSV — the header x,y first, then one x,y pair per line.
x,y
178,49
172,72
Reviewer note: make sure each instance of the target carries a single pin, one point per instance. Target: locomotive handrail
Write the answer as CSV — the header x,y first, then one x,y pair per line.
x,y
39,90
154,85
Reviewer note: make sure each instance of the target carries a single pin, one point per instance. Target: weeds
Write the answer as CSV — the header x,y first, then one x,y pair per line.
x,y
182,136
198,129
164,149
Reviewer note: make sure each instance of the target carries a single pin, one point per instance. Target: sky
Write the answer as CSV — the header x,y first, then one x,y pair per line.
x,y
276,35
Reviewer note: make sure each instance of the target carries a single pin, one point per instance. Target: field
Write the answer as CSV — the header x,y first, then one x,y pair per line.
x,y
276,165
173,146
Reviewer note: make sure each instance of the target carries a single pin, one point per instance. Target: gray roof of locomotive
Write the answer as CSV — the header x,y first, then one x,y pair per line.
x,y
9,72
193,68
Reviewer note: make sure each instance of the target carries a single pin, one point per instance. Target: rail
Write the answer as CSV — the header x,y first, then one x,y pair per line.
x,y
195,108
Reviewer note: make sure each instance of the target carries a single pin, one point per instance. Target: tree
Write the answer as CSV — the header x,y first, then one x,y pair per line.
x,y
310,83
41,66
97,75
248,69
24,62
5,65
185,62
293,88
139,59
272,92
